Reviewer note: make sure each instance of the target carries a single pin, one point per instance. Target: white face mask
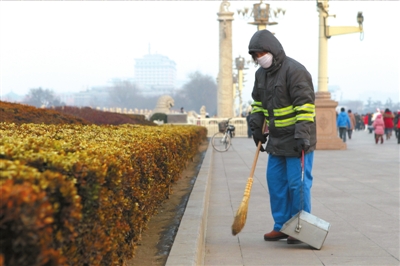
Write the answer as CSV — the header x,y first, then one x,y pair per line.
x,y
266,60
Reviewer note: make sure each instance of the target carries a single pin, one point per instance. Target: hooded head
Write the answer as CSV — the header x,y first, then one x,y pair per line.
x,y
265,41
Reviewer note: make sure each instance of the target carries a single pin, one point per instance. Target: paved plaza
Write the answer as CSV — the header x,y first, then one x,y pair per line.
x,y
356,190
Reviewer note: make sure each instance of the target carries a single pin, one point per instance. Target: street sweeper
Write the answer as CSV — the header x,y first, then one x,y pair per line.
x,y
284,98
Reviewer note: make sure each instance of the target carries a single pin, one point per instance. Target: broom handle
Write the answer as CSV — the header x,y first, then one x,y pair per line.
x,y
253,168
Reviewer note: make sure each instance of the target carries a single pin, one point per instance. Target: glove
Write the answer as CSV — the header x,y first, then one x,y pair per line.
x,y
302,145
259,136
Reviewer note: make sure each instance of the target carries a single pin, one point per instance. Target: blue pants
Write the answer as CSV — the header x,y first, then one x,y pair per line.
x,y
284,185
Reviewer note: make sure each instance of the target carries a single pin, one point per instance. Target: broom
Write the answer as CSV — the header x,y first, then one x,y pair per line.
x,y
241,214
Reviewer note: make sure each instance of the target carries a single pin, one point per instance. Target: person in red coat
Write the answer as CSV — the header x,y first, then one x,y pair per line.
x,y
365,118
388,118
368,122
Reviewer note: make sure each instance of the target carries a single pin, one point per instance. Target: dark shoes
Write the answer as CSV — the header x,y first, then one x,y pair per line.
x,y
274,236
292,240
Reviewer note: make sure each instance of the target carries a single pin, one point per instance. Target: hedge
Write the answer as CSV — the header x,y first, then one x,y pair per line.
x,y
102,183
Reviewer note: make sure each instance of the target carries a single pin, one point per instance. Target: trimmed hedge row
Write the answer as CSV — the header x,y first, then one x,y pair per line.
x,y
99,184
98,117
31,215
21,113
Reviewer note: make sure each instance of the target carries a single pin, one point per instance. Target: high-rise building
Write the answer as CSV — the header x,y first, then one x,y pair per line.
x,y
155,74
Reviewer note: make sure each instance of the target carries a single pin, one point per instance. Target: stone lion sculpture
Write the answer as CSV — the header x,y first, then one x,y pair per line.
x,y
164,105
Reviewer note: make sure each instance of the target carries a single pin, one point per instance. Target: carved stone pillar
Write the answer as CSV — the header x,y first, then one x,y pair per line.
x,y
225,75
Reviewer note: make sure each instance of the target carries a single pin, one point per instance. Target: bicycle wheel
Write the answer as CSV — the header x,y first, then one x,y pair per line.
x,y
221,141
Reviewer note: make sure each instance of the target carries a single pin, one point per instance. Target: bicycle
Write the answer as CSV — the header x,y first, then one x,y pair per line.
x,y
221,141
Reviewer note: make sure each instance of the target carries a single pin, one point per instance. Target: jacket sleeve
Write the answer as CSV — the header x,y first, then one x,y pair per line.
x,y
257,113
303,100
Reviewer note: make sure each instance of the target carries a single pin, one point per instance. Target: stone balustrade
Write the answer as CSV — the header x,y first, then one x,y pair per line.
x,y
192,118
212,125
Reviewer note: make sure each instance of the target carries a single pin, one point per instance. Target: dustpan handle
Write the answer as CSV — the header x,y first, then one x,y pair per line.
x,y
298,227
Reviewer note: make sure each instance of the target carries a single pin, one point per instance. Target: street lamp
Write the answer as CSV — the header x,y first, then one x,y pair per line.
x,y
240,63
234,89
360,20
330,31
327,138
261,13
325,33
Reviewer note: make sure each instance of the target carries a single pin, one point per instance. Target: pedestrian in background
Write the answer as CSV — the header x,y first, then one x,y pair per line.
x,y
369,120
359,122
284,97
379,128
352,123
388,118
397,125
343,123
248,125
366,121
374,115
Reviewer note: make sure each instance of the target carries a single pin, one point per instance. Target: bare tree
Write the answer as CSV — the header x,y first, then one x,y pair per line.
x,y
200,90
124,94
42,98
355,106
389,103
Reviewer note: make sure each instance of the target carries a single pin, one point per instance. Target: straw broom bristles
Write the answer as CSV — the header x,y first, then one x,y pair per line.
x,y
241,214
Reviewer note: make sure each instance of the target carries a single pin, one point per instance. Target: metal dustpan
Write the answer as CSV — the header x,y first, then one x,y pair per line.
x,y
307,228
304,226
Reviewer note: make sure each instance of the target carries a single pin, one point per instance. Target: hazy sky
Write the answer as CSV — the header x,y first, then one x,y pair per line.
x,y
72,45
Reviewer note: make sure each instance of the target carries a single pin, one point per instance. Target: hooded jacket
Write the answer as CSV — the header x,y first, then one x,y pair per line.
x,y
379,125
343,120
283,94
388,118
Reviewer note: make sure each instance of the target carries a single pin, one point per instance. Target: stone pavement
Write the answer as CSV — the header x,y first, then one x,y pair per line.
x,y
355,190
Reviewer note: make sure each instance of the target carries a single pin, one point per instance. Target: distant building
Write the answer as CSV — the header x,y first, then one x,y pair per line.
x,y
66,98
155,74
11,97
93,97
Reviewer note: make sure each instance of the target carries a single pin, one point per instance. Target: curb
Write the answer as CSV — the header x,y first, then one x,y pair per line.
x,y
189,244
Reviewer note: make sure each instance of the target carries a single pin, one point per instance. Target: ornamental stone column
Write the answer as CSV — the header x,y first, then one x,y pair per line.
x,y
225,74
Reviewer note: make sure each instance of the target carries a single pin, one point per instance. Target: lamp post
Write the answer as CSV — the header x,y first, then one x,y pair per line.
x,y
240,66
327,138
261,13
234,89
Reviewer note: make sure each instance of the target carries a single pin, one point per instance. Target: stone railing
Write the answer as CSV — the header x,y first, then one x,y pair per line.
x,y
212,125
